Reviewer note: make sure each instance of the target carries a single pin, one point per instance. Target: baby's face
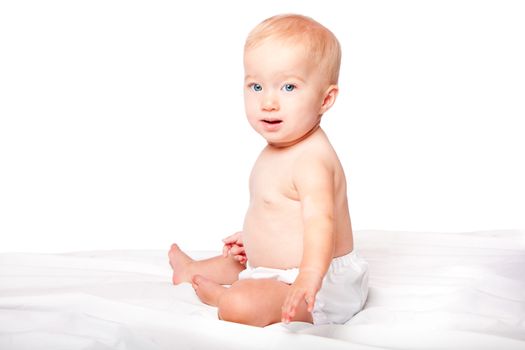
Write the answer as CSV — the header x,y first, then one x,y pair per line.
x,y
283,92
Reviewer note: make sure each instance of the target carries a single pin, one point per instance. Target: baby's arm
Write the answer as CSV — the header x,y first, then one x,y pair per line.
x,y
314,181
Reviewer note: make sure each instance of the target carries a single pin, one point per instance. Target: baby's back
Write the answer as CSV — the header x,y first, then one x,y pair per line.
x,y
273,225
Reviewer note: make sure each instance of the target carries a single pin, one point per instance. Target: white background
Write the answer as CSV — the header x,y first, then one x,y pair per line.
x,y
122,122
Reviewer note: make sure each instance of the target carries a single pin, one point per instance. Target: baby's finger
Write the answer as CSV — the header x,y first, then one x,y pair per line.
x,y
291,303
238,237
226,250
310,301
236,250
228,239
285,315
232,238
297,298
240,258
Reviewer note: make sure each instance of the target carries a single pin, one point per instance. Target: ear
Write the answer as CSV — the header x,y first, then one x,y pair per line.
x,y
329,98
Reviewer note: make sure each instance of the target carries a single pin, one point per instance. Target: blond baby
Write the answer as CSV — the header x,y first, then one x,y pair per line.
x,y
294,260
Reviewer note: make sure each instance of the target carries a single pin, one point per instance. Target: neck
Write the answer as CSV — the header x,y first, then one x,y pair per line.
x,y
296,141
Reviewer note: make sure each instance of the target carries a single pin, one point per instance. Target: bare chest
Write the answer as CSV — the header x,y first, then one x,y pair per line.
x,y
271,180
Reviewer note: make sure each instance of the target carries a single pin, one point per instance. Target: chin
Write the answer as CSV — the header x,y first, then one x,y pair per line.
x,y
272,138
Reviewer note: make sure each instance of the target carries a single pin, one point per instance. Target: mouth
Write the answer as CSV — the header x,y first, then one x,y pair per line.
x,y
272,121
271,125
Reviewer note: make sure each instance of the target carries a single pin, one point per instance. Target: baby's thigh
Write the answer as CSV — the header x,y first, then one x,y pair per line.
x,y
257,302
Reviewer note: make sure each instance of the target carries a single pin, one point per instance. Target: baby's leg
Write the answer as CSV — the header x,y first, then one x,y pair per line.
x,y
255,302
208,291
218,269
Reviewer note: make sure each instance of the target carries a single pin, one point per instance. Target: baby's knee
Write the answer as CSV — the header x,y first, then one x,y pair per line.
x,y
235,306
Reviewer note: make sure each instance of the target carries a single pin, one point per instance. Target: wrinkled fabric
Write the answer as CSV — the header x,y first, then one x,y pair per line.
x,y
426,291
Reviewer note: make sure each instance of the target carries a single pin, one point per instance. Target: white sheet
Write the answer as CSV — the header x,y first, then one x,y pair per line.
x,y
427,291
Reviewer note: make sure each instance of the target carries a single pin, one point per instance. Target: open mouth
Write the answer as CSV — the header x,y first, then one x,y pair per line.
x,y
276,121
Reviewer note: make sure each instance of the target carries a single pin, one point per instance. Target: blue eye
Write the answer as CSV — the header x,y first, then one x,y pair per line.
x,y
289,87
256,87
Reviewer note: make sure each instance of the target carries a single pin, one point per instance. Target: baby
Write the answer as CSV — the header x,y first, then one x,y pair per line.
x,y
294,259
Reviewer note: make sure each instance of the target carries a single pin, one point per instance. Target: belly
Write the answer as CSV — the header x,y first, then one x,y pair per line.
x,y
273,236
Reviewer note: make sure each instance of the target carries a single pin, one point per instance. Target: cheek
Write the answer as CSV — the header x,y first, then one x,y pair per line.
x,y
249,104
314,104
306,105
250,107
305,110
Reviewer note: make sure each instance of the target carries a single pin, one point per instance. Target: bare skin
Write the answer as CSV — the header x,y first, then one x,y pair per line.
x,y
266,298
223,270
244,300
209,292
298,214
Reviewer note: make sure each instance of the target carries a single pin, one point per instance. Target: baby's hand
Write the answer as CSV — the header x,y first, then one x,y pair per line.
x,y
304,289
233,246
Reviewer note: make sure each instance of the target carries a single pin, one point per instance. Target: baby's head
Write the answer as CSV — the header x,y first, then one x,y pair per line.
x,y
321,46
291,65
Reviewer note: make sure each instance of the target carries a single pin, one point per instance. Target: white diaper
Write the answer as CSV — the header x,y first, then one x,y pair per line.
x,y
343,292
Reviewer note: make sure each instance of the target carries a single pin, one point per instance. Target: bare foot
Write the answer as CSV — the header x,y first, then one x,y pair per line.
x,y
208,291
180,263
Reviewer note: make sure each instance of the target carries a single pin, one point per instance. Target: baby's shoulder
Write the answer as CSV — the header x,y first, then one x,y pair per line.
x,y
318,150
316,155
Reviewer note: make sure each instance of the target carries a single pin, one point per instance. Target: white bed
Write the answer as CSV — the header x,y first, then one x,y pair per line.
x,y
427,291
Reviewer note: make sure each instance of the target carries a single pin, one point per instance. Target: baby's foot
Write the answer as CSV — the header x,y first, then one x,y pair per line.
x,y
208,291
180,263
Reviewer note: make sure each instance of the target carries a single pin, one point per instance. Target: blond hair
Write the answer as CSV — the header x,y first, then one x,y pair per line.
x,y
320,43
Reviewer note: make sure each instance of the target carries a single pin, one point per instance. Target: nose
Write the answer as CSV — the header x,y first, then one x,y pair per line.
x,y
269,102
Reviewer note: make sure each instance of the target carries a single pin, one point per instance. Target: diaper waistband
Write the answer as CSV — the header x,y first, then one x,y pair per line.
x,y
351,258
